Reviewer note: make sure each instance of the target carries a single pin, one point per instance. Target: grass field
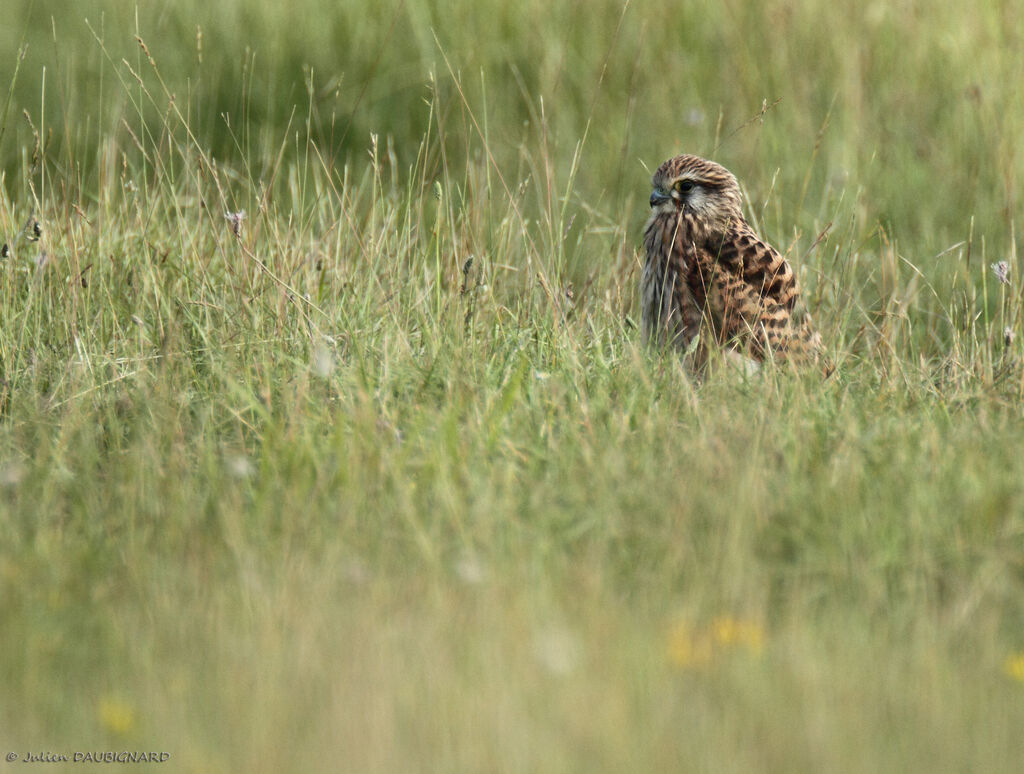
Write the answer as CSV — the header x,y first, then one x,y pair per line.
x,y
379,476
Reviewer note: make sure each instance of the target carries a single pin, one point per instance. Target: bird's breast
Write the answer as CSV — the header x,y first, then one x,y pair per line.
x,y
668,240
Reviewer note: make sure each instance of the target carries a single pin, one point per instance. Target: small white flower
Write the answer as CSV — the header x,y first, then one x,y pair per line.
x,y
356,572
470,570
558,650
241,466
11,473
322,361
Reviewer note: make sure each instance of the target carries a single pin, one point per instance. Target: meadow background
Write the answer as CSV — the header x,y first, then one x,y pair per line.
x,y
380,477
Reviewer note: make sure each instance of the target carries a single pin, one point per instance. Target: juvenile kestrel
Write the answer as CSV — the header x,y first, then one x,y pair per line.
x,y
709,277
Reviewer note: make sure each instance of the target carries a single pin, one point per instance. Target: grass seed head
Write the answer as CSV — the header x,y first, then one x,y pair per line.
x,y
235,219
1002,272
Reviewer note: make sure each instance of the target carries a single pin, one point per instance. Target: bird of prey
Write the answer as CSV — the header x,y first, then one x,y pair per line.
x,y
709,280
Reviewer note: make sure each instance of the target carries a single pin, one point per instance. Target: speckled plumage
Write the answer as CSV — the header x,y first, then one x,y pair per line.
x,y
709,278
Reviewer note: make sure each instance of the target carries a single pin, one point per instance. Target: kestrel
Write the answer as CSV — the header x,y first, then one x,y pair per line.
x,y
710,278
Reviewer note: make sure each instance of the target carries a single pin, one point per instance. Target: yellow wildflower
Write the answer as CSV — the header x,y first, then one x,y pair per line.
x,y
116,715
730,632
1014,666
688,650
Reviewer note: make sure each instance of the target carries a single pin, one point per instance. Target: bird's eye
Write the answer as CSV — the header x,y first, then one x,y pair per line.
x,y
684,186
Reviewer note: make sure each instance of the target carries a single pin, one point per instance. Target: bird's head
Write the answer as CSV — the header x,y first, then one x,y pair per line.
x,y
698,186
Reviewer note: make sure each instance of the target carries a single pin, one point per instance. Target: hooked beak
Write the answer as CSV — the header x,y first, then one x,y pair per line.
x,y
658,196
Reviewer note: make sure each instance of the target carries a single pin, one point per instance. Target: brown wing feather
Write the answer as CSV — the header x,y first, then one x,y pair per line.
x,y
752,296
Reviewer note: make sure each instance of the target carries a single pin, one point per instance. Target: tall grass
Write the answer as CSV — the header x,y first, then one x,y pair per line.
x,y
380,477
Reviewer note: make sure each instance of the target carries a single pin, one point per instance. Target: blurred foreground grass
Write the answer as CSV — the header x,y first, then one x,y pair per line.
x,y
378,477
